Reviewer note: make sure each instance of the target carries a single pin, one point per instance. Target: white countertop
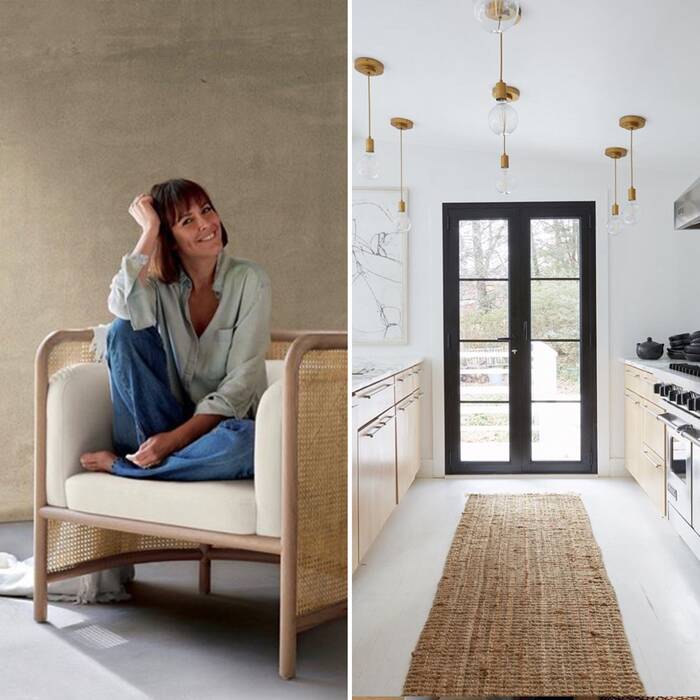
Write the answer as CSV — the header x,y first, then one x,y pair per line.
x,y
660,368
366,372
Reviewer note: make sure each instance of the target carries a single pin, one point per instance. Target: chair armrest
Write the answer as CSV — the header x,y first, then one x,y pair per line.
x,y
314,474
268,461
78,420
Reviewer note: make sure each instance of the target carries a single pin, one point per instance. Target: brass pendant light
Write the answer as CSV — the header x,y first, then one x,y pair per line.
x,y
630,212
497,16
403,223
370,67
615,222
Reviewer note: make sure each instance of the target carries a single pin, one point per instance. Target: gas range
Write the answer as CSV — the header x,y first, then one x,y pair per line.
x,y
679,396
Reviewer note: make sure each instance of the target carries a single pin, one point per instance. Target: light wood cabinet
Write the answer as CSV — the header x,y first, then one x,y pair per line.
x,y
644,435
376,452
407,443
633,434
386,451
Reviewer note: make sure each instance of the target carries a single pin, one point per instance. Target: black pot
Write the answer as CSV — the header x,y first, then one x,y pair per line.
x,y
650,350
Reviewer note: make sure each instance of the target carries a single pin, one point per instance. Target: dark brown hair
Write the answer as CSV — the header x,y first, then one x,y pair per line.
x,y
171,199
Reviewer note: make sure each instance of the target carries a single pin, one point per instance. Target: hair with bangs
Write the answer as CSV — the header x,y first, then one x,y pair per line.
x,y
171,199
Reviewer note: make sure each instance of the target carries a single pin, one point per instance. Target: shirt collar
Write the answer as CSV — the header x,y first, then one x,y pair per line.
x,y
219,272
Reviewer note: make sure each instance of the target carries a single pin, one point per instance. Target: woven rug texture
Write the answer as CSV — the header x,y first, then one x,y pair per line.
x,y
524,607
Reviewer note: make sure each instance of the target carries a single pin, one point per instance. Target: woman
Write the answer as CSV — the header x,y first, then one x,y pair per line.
x,y
186,354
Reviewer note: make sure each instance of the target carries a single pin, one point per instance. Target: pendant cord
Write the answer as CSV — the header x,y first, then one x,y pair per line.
x,y
369,109
631,160
615,177
500,38
504,141
401,160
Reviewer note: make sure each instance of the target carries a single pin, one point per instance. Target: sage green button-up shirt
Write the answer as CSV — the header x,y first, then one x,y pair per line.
x,y
222,371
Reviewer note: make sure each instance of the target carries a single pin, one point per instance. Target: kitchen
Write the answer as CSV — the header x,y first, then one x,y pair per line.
x,y
637,60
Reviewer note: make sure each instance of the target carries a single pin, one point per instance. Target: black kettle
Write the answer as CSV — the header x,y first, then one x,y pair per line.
x,y
650,350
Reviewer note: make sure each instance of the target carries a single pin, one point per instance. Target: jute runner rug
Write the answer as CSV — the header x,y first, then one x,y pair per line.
x,y
524,607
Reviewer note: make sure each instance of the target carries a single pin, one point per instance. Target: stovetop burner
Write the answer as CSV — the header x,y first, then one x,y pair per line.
x,y
693,370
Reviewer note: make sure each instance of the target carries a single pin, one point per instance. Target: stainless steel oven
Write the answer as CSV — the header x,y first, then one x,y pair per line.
x,y
682,457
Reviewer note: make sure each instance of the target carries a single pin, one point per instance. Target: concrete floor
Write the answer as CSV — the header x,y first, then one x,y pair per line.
x,y
655,576
167,641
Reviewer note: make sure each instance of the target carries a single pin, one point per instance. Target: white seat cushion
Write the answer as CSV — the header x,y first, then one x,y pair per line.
x,y
221,506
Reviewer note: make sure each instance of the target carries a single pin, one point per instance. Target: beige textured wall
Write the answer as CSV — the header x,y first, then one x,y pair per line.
x,y
99,99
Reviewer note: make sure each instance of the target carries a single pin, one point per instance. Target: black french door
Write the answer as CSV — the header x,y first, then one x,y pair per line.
x,y
519,337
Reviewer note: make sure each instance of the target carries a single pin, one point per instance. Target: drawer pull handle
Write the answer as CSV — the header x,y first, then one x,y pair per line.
x,y
374,391
371,433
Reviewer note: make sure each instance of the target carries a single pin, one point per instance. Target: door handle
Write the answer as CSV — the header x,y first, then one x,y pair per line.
x,y
514,351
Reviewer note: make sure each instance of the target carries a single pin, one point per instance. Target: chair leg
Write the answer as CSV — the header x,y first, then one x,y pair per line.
x,y
288,650
40,566
288,619
205,571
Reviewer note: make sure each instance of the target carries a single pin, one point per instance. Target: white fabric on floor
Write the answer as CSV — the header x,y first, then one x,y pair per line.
x,y
17,579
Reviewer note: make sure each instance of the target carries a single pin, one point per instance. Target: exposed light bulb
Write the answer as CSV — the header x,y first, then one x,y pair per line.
x,y
505,182
615,225
497,15
503,119
630,213
368,166
403,223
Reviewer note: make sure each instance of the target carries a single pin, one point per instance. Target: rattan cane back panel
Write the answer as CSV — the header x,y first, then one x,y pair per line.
x,y
277,350
69,352
322,480
70,544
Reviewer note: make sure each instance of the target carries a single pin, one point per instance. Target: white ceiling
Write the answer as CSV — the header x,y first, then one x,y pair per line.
x,y
579,66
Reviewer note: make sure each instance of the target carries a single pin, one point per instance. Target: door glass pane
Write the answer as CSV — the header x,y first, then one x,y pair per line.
x,y
556,371
483,371
485,432
555,309
483,310
483,248
554,249
556,432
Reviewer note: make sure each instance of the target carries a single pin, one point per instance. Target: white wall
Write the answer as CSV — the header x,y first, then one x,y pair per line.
x,y
642,276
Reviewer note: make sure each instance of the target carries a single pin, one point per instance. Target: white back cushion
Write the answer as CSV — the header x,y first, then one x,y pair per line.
x,y
79,419
275,370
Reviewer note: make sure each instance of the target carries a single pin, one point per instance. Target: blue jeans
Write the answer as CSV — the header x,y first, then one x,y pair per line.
x,y
145,405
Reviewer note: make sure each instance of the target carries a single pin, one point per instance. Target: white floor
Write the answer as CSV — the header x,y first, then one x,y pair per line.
x,y
167,642
655,576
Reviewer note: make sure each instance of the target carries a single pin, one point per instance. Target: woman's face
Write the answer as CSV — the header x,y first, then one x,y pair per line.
x,y
197,230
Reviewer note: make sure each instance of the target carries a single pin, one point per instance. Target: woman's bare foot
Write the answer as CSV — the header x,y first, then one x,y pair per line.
x,y
98,461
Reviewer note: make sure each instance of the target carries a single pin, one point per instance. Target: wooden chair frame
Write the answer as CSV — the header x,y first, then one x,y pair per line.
x,y
206,546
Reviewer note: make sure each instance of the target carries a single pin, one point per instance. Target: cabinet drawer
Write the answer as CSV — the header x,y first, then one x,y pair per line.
x,y
407,382
407,443
654,481
374,399
653,434
377,478
640,382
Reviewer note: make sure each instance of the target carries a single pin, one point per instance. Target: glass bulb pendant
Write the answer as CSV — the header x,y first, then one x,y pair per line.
x,y
368,166
497,15
505,182
630,213
615,225
503,119
402,222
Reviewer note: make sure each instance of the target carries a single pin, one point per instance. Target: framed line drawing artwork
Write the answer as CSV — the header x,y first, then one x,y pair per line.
x,y
379,268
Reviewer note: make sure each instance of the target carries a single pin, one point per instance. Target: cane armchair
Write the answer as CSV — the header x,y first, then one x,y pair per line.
x,y
293,513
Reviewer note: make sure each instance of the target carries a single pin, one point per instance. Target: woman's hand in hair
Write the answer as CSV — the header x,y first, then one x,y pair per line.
x,y
154,450
143,211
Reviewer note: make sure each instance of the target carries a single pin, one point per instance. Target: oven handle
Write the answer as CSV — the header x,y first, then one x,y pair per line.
x,y
674,422
692,436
